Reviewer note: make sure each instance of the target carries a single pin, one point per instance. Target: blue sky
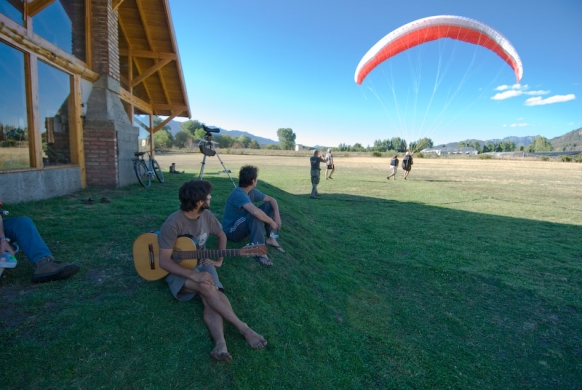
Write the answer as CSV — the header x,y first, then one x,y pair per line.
x,y
259,65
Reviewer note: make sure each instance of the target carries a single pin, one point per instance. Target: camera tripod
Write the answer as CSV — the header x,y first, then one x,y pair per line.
x,y
206,146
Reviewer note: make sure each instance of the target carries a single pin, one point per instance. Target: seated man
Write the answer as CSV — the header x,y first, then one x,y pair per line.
x,y
242,218
194,219
23,231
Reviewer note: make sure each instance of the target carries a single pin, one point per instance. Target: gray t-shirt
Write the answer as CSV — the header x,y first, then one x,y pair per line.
x,y
177,224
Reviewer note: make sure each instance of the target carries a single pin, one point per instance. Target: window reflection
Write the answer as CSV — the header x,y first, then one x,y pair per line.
x,y
143,122
13,9
14,148
54,88
63,24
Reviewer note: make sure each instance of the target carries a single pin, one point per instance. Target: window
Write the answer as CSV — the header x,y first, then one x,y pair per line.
x,y
13,9
54,89
63,24
14,147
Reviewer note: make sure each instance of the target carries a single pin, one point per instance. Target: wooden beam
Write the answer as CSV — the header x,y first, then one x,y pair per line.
x,y
149,72
76,128
135,101
33,110
115,4
169,107
17,36
34,7
162,124
148,54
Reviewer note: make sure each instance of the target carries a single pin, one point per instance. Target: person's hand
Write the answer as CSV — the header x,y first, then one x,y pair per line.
x,y
202,277
274,225
278,221
216,263
5,247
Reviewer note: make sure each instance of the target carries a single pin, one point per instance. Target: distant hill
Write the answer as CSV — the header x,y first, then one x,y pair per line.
x,y
519,141
568,142
176,126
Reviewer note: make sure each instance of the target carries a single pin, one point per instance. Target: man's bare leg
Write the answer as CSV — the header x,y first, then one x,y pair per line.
x,y
219,303
215,326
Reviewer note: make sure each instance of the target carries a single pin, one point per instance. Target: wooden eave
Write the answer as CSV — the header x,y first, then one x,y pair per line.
x,y
147,46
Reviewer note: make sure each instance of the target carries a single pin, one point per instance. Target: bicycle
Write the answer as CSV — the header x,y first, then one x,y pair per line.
x,y
146,170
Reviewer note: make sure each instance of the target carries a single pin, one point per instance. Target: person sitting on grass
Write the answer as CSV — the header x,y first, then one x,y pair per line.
x,y
242,218
22,230
195,220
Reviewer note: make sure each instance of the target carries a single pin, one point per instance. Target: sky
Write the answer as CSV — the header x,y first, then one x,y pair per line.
x,y
261,65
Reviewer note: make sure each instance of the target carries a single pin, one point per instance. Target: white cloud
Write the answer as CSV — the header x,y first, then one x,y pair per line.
x,y
541,92
538,101
506,95
519,125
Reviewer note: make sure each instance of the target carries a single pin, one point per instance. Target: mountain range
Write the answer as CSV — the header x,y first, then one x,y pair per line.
x,y
175,126
567,142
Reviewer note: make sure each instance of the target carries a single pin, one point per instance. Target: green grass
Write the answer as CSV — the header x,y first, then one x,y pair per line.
x,y
468,275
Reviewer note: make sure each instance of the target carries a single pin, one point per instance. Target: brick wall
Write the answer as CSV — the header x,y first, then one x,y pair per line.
x,y
104,26
101,156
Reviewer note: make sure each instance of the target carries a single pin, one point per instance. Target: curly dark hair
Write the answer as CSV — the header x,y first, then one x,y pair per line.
x,y
192,192
247,174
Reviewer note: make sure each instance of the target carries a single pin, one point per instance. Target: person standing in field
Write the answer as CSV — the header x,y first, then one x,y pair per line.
x,y
196,221
407,164
315,160
393,166
329,166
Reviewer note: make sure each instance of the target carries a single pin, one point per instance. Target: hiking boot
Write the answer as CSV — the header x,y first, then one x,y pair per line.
x,y
47,270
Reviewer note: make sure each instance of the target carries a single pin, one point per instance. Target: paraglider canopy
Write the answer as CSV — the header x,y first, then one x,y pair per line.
x,y
438,27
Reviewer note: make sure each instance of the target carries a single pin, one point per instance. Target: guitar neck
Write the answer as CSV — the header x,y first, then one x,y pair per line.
x,y
206,253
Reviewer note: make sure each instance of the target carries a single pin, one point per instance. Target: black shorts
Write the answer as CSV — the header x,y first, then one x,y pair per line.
x,y
329,166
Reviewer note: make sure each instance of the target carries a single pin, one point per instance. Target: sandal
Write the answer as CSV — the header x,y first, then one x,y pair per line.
x,y
264,261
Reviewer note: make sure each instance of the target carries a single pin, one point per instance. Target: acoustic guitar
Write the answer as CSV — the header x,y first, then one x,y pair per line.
x,y
146,254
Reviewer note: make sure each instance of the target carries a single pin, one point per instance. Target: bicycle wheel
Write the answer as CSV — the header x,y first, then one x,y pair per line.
x,y
157,170
141,171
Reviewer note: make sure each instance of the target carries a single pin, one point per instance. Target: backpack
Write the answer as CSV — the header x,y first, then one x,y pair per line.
x,y
404,163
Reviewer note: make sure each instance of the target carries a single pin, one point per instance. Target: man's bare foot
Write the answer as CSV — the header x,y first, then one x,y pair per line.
x,y
220,353
254,339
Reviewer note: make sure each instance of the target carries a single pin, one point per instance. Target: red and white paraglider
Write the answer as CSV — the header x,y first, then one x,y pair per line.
x,y
438,27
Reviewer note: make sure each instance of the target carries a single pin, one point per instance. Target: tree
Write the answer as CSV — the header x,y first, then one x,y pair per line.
x,y
401,146
191,126
423,143
286,139
163,138
254,144
183,139
476,145
540,144
461,144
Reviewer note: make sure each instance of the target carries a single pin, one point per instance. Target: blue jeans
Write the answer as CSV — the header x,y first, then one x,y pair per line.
x,y
253,227
22,230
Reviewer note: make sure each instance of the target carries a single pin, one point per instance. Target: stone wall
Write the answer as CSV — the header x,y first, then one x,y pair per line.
x,y
27,186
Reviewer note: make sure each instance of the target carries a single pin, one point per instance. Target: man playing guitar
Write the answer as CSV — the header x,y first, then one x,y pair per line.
x,y
196,221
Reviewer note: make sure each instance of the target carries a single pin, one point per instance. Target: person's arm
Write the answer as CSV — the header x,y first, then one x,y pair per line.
x,y
167,264
4,244
260,214
221,246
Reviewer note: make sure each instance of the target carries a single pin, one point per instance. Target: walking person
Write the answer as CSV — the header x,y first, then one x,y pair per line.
x,y
329,166
393,166
315,160
407,164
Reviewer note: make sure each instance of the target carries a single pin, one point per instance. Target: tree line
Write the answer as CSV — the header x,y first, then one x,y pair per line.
x,y
193,130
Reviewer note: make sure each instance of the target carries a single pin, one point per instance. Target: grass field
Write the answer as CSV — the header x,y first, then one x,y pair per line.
x,y
468,275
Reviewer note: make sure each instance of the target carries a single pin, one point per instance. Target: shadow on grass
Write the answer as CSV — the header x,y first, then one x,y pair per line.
x,y
371,293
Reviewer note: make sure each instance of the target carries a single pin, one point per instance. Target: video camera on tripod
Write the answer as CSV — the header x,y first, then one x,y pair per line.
x,y
206,145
